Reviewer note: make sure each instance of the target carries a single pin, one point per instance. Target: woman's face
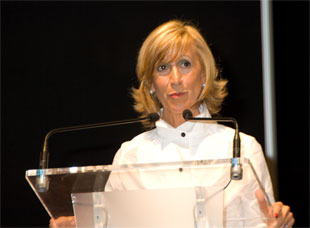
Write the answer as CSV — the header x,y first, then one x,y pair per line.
x,y
178,84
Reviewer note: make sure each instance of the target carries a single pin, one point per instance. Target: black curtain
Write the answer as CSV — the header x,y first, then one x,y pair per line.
x,y
72,63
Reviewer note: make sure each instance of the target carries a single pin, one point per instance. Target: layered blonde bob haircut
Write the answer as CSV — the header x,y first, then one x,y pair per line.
x,y
164,44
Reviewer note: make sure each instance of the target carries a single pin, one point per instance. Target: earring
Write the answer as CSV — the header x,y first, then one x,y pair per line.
x,y
203,85
151,92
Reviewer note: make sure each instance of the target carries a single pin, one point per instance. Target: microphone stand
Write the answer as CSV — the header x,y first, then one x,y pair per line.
x,y
236,166
42,181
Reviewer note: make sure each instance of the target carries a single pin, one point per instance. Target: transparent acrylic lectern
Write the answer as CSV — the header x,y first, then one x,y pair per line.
x,y
175,194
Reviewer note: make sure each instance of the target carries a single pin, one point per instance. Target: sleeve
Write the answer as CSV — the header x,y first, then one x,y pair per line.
x,y
253,151
120,180
257,158
240,195
113,181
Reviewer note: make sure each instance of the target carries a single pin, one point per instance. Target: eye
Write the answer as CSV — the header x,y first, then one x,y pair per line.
x,y
162,67
185,63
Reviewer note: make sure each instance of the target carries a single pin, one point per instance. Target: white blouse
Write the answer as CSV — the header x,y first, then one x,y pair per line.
x,y
197,141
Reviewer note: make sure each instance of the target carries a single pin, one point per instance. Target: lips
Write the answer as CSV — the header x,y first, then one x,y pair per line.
x,y
176,95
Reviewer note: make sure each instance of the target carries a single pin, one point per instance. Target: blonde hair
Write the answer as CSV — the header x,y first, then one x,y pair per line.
x,y
169,40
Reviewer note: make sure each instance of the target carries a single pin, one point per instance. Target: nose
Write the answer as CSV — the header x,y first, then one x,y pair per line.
x,y
175,76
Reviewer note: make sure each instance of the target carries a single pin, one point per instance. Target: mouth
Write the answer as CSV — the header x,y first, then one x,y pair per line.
x,y
176,95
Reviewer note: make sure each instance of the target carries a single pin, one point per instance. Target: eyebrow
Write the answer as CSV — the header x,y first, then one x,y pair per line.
x,y
165,61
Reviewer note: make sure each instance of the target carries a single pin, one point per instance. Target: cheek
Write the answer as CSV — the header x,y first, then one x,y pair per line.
x,y
159,84
195,82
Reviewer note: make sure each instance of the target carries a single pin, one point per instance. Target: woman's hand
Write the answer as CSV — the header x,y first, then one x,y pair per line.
x,y
278,214
63,221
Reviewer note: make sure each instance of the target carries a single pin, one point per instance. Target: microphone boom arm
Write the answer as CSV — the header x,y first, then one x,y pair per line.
x,y
44,155
236,167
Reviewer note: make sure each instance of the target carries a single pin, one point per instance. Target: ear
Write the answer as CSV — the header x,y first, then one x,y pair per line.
x,y
152,87
203,78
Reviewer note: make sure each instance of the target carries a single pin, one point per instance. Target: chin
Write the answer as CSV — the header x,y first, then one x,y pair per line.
x,y
179,109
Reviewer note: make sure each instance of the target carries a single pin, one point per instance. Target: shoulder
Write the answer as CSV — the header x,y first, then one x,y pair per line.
x,y
252,150
249,144
145,137
224,131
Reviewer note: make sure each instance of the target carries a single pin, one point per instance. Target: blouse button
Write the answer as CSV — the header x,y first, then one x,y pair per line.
x,y
183,134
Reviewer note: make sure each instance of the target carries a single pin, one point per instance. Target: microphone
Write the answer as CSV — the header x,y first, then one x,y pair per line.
x,y
236,168
42,181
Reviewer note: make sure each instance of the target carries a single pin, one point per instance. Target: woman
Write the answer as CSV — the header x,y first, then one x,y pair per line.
x,y
177,71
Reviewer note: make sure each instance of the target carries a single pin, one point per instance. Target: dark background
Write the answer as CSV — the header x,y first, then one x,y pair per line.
x,y
72,63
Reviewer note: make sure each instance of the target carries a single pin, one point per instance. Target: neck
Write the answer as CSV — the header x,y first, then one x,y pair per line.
x,y
176,119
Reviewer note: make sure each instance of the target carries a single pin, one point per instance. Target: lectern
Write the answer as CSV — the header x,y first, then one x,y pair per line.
x,y
196,194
